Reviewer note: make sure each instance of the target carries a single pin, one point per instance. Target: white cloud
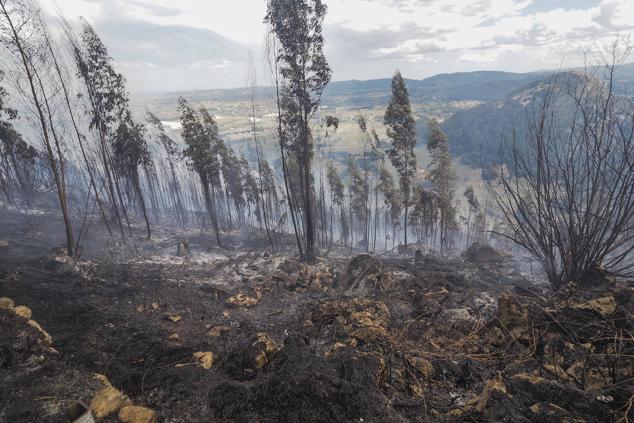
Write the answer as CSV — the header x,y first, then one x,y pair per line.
x,y
370,38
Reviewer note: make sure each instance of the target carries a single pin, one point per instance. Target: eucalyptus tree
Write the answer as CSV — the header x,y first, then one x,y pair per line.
x,y
252,191
65,83
474,208
21,35
359,199
130,151
392,199
106,94
401,130
443,178
297,25
200,134
17,157
338,197
171,153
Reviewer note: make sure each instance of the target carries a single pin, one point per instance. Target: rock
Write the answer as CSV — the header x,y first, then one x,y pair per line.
x,y
604,306
4,245
182,248
205,359
268,348
244,300
370,323
106,402
174,337
137,414
23,311
173,318
6,303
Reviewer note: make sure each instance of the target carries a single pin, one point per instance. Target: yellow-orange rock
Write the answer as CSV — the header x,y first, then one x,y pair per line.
x,y
6,303
106,402
137,414
23,311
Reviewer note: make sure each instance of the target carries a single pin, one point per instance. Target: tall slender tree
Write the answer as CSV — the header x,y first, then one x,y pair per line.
x,y
297,24
401,130
443,178
21,35
201,136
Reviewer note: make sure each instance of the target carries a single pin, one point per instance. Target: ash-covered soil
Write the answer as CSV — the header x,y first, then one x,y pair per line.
x,y
243,336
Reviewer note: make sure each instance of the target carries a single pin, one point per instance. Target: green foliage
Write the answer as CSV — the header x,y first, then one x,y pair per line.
x,y
200,138
359,191
335,184
391,196
298,25
443,179
401,130
105,86
130,147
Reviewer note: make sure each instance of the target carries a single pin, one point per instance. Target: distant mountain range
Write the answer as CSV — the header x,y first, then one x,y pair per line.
x,y
498,103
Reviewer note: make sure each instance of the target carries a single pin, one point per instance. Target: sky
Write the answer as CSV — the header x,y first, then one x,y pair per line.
x,y
183,45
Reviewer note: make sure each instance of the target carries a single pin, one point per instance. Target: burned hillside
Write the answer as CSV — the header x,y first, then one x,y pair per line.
x,y
265,337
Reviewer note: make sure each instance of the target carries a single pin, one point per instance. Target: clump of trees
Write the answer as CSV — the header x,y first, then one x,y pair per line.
x,y
124,168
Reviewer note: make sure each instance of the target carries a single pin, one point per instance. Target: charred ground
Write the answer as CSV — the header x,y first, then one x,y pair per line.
x,y
359,338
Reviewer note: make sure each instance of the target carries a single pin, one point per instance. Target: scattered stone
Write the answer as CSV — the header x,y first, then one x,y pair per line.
x,y
173,318
244,300
4,245
268,348
205,359
137,414
6,303
23,311
174,337
107,401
